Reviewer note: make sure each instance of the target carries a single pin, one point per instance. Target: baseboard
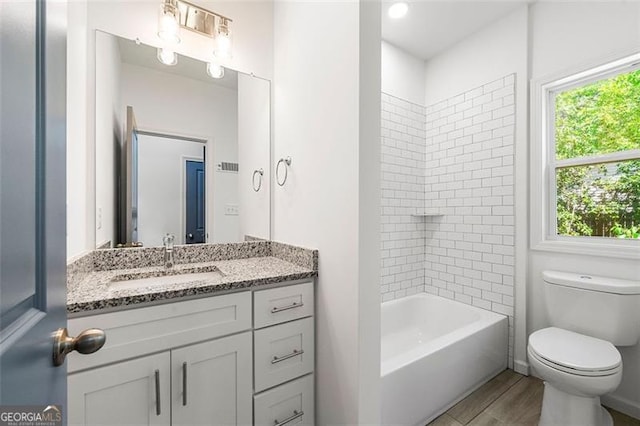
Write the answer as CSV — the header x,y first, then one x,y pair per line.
x,y
521,367
630,408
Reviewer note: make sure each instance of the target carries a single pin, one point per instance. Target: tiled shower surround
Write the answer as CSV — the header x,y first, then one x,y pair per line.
x,y
403,166
464,244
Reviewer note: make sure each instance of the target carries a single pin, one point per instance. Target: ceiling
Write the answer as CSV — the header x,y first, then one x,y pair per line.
x,y
432,26
146,56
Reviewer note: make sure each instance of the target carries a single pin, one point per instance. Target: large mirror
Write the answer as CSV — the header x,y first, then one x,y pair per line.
x,y
177,151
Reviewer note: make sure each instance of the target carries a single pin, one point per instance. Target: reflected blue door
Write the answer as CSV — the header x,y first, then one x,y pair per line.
x,y
195,223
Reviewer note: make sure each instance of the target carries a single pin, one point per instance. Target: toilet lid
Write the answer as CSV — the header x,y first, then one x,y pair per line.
x,y
575,351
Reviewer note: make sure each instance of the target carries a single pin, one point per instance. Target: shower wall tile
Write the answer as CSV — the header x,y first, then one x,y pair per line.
x,y
469,249
403,165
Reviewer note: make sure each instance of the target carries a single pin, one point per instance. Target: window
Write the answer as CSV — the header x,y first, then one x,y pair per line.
x,y
596,164
588,129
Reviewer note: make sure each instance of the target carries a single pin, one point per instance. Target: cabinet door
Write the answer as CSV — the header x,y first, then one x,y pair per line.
x,y
212,382
132,392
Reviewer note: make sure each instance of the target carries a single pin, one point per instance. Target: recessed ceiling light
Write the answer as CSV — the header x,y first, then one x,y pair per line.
x,y
398,10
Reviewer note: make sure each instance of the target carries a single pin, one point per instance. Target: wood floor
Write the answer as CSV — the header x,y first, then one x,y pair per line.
x,y
507,399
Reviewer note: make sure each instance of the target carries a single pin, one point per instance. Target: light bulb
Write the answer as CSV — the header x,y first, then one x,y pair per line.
x,y
398,10
215,70
223,40
168,23
167,56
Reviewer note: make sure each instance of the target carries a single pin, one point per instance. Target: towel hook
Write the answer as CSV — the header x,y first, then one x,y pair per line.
x,y
260,173
287,162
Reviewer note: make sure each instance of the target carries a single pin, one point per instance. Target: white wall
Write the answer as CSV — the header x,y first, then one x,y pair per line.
x,y
254,143
566,36
80,230
161,187
253,52
402,74
176,105
488,55
327,118
109,134
484,56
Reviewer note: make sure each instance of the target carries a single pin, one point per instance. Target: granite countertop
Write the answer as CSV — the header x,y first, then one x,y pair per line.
x,y
106,288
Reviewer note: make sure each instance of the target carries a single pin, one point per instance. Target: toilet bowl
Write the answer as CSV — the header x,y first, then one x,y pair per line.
x,y
577,369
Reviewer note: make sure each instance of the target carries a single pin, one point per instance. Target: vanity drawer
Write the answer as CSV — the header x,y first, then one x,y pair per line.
x,y
136,332
283,352
282,304
289,404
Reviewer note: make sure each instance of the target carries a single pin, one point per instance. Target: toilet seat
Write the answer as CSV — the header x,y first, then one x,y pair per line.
x,y
574,353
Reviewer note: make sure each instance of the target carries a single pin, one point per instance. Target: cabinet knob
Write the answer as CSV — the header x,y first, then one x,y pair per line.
x,y
87,342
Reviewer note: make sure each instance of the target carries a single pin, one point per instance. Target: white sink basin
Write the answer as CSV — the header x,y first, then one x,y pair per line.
x,y
164,280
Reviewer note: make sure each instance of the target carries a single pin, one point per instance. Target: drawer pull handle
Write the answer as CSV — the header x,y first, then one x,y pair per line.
x,y
296,415
184,383
158,410
291,355
286,308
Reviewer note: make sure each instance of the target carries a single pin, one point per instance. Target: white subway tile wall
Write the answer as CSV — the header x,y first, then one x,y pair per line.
x,y
403,192
469,250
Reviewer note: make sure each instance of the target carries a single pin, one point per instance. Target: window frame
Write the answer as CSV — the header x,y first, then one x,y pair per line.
x,y
543,227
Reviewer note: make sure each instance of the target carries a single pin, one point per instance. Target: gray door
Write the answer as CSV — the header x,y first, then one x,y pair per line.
x,y
32,200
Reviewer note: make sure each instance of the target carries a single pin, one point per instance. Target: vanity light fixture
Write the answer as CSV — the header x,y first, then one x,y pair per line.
x,y
167,56
398,10
215,70
176,14
209,24
169,22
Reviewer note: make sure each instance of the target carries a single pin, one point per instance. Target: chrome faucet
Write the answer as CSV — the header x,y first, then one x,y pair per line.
x,y
167,241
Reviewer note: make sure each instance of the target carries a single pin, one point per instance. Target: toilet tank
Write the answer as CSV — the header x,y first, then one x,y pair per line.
x,y
606,308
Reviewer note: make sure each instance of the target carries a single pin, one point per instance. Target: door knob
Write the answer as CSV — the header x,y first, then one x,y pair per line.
x,y
190,236
87,342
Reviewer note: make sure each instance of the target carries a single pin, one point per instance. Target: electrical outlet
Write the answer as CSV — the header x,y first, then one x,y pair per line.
x,y
231,210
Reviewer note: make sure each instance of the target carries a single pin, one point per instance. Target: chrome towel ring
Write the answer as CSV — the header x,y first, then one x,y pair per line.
x,y
260,173
287,162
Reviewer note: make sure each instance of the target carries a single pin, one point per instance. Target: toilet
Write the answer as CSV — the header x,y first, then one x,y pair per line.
x,y
577,356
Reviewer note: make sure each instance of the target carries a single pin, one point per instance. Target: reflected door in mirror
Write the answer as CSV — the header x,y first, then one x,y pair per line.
x,y
195,199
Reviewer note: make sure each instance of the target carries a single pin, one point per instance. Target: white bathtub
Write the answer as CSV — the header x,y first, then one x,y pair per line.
x,y
436,351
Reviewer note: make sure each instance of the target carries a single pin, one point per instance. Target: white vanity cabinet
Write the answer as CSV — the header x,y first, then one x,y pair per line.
x,y
152,390
208,341
284,355
213,360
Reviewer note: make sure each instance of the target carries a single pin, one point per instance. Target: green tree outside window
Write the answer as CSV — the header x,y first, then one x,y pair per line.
x,y
599,118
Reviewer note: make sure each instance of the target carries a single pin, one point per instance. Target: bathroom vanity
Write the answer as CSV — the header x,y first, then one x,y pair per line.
x,y
233,344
